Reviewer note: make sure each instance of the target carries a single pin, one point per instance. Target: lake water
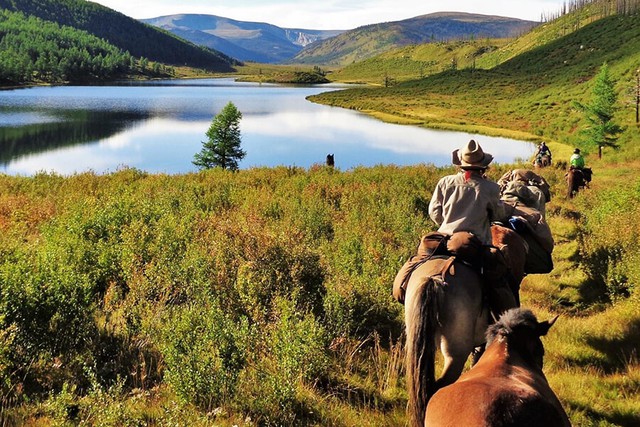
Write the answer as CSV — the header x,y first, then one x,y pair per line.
x,y
158,127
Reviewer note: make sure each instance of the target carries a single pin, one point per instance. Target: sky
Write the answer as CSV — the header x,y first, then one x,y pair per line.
x,y
331,14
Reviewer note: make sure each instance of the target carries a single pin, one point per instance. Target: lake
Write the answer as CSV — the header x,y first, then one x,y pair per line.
x,y
158,126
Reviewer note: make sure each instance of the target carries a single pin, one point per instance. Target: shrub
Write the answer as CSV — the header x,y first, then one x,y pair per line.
x,y
46,308
293,356
609,246
204,351
274,268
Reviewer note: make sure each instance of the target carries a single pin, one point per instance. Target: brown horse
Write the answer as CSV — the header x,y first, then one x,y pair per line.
x,y
444,308
542,161
577,179
507,387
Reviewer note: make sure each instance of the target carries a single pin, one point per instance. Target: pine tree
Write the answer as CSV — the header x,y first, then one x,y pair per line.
x,y
223,147
602,130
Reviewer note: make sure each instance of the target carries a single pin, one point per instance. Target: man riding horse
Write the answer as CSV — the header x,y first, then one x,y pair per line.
x,y
444,287
543,151
468,201
578,175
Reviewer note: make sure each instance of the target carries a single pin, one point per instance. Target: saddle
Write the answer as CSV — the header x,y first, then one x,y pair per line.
x,y
488,261
462,246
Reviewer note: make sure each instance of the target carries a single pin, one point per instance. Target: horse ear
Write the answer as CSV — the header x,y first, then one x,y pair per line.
x,y
544,327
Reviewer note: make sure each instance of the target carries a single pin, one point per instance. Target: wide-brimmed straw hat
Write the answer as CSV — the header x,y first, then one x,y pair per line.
x,y
471,156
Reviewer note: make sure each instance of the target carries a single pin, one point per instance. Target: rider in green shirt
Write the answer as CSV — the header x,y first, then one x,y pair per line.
x,y
577,161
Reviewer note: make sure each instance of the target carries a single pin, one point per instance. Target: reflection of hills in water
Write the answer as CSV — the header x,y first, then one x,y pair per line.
x,y
74,128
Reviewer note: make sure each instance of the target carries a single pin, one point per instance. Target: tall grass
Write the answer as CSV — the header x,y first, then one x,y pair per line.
x,y
262,294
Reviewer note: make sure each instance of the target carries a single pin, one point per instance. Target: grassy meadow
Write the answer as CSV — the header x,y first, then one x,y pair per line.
x,y
263,297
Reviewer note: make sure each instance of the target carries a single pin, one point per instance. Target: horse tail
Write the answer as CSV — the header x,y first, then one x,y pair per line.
x,y
571,184
421,350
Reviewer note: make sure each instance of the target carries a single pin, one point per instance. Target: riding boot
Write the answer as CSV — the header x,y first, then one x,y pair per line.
x,y
500,298
514,285
498,290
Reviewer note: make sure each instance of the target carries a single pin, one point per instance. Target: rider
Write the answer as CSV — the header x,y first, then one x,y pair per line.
x,y
542,151
468,201
576,161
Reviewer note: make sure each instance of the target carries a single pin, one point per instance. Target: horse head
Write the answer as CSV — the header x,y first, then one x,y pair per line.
x,y
520,329
507,386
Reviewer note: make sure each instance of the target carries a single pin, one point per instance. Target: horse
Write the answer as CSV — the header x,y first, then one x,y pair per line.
x,y
506,387
577,179
330,160
444,307
542,161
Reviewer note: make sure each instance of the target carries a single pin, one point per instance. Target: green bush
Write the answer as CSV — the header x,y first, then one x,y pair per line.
x,y
609,247
225,287
204,351
274,268
292,357
47,311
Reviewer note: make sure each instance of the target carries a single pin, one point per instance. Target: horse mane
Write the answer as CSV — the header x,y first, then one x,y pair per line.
x,y
521,331
509,321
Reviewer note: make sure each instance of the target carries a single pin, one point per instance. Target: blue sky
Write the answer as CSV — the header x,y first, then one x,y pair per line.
x,y
331,14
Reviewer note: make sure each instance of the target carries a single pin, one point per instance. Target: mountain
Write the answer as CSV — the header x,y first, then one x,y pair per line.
x,y
246,41
126,33
370,40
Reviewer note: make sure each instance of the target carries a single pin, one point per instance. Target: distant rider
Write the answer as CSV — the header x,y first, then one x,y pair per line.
x,y
543,150
576,161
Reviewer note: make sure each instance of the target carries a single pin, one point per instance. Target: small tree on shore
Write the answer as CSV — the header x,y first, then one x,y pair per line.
x,y
222,149
602,130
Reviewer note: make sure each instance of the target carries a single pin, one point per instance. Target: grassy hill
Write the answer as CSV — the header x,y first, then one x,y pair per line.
x,y
531,92
126,33
417,61
370,40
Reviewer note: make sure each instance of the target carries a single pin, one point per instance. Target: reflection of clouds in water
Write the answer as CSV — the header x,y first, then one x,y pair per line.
x,y
68,161
129,148
25,118
279,127
356,129
168,145
156,129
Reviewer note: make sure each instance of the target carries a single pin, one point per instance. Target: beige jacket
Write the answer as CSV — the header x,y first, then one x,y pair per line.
x,y
469,205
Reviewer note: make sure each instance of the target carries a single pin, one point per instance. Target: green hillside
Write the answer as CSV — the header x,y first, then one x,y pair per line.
x,y
417,61
532,92
140,40
33,50
579,15
370,40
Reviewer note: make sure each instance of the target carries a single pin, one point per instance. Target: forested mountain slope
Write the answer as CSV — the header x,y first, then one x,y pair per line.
x,y
122,31
33,50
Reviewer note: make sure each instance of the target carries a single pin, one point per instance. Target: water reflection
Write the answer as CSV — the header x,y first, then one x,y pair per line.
x,y
159,126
